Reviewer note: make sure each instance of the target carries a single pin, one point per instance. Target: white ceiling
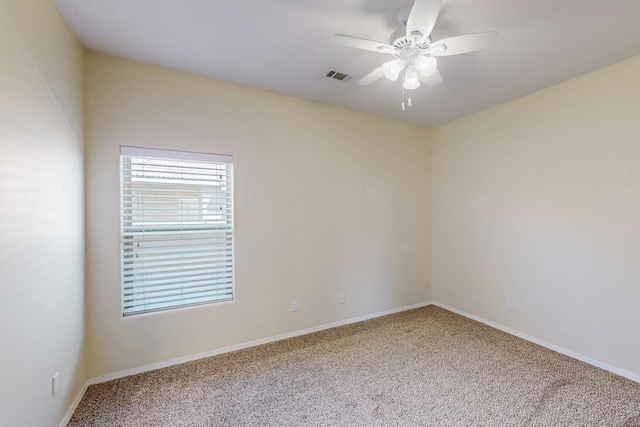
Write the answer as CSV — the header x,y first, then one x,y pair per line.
x,y
285,46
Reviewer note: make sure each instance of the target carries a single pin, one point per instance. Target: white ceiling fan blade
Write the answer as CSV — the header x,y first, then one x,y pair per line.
x,y
374,75
423,16
462,44
433,80
364,44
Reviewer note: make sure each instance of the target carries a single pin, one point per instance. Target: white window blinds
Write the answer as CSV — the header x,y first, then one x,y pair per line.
x,y
177,229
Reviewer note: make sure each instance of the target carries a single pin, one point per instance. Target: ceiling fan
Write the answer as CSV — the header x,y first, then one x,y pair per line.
x,y
414,54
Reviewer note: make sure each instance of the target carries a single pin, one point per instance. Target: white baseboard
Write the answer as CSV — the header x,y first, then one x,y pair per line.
x,y
74,405
585,359
180,360
190,358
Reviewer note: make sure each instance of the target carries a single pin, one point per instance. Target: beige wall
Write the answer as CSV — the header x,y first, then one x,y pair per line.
x,y
41,219
327,200
536,200
539,200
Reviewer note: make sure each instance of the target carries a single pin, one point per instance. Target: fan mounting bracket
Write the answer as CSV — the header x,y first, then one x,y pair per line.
x,y
403,14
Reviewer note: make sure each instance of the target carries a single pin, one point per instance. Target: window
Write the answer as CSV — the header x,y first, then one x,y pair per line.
x,y
176,229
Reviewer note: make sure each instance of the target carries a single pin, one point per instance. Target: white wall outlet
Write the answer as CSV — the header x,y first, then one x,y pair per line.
x,y
294,306
340,298
55,384
510,305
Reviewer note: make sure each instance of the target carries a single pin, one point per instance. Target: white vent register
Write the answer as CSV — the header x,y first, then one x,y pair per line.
x,y
176,229
337,75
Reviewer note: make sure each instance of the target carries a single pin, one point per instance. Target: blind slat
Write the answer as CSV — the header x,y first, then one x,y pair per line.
x,y
157,291
183,302
139,232
177,276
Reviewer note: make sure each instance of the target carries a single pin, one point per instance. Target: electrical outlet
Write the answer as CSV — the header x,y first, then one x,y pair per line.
x,y
341,298
510,305
294,306
55,384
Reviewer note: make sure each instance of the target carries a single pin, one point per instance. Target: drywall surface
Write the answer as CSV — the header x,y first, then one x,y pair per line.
x,y
41,219
538,200
326,201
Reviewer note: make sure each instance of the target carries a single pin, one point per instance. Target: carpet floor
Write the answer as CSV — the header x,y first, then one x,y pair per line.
x,y
423,367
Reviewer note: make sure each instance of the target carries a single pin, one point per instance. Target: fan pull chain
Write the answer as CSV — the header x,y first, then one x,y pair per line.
x,y
409,97
409,103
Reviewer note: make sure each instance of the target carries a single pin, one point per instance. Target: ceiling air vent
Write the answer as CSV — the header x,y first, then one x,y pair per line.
x,y
337,75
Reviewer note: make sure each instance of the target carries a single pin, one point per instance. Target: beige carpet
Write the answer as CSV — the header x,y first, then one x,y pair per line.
x,y
424,367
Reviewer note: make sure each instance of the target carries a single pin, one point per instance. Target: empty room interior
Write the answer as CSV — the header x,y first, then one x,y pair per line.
x,y
410,215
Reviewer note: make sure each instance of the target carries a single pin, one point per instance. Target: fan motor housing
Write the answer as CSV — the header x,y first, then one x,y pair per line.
x,y
403,41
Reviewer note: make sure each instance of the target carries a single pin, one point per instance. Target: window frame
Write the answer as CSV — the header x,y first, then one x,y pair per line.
x,y
217,233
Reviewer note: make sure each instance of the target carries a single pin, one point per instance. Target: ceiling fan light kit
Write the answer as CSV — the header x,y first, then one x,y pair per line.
x,y
392,69
411,81
426,65
415,54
